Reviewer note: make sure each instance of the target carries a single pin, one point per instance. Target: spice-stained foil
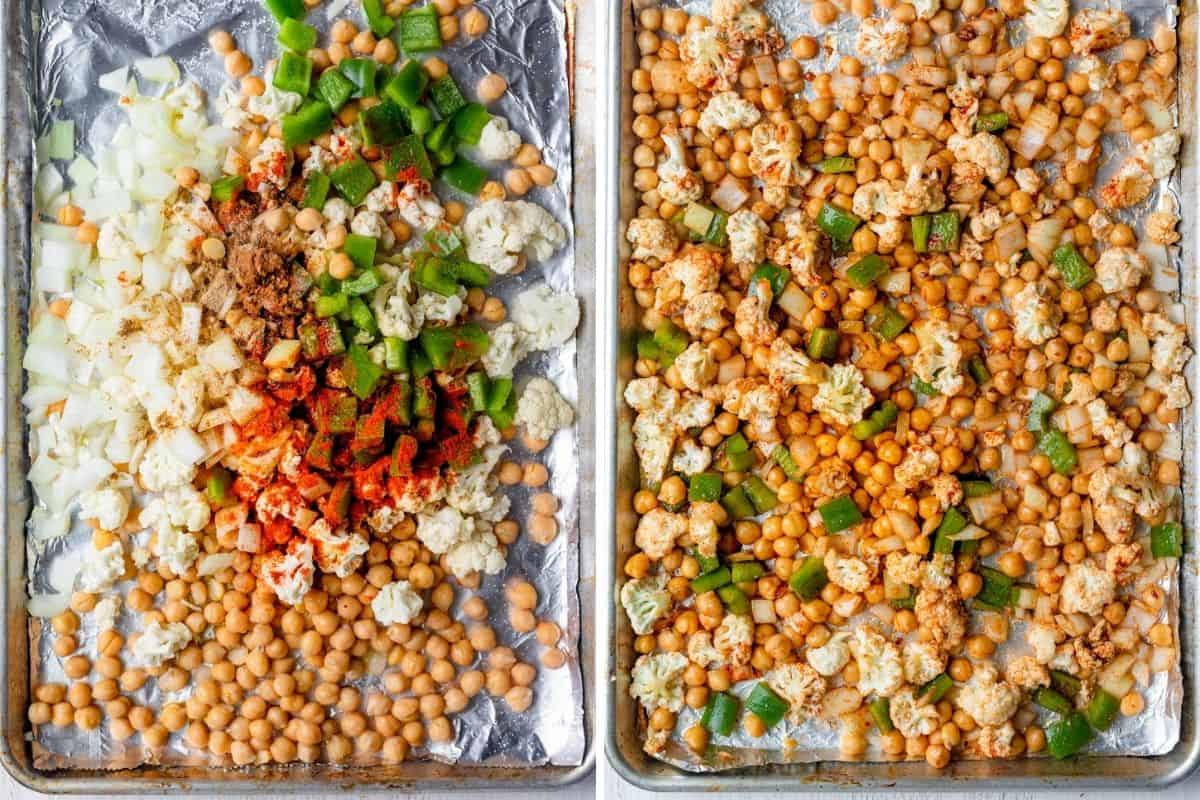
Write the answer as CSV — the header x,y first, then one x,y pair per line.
x,y
527,43
1154,731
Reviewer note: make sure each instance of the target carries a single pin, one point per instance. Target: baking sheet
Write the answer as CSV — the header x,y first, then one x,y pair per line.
x,y
1158,730
78,40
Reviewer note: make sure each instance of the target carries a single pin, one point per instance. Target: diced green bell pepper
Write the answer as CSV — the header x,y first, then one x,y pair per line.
x,y
809,578
365,282
737,504
285,9
293,73
469,122
1067,736
1166,540
839,514
921,226
362,317
308,122
1040,407
997,588
219,481
464,175
383,124
409,153
1055,446
783,457
378,20
863,273
316,191
764,703
711,581
838,225
331,305
776,276
836,165
419,30
343,414
360,372
943,232
297,36
1102,709
446,96
734,454
705,487
822,344
361,250
1072,266
226,188
406,87
936,689
395,354
991,123
889,323
734,600
477,390
760,495
334,88
881,712
745,571
721,714
880,420
360,72
354,180
454,347
1051,700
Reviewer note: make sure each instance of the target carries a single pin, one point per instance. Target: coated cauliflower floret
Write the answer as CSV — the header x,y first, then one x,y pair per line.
x,y
734,637
923,662
442,529
542,410
159,643
1121,268
997,741
693,271
921,463
654,429
911,718
805,250
703,519
842,397
651,238
396,603
696,367
497,142
939,356
775,153
270,167
700,650
850,573
745,25
1095,29
1160,225
1046,18
499,233
747,237
691,458
1087,589
1129,186
1105,425
657,681
941,613
889,232
705,312
1027,673
880,669
289,573
874,197
830,658
787,367
754,401
1157,154
479,553
1169,353
1035,315
1123,561
727,111
985,150
829,478
903,568
987,698
657,532
710,61
947,489
644,601
801,686
752,319
920,194
882,40
676,183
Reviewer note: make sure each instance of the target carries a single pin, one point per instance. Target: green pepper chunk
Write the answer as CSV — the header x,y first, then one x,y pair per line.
x,y
997,588
764,703
783,457
880,420
761,496
921,225
721,713
455,347
809,578
863,273
704,487
365,282
822,344
419,30
734,600
1051,700
226,188
285,9
889,323
745,571
293,73
383,124
838,225
395,354
1067,736
409,153
361,373
469,121
343,414
1065,683
736,504
953,522
979,371
1040,408
316,191
977,488
1166,540
839,514
777,277
881,711
836,165
943,232
361,250
407,85
308,122
378,20
991,123
354,180
297,36
219,481
446,96
936,689
1072,266
320,451
362,317
1055,446
1102,709
331,305
734,454
711,581
464,175
360,72
334,88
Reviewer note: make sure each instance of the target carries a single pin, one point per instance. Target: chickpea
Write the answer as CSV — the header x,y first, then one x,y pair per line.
x,y
491,87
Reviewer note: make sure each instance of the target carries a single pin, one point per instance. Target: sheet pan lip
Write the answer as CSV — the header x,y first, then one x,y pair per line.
x,y
15,23
1180,763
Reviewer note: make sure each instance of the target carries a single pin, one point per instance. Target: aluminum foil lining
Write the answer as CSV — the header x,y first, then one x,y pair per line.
x,y
1156,730
527,42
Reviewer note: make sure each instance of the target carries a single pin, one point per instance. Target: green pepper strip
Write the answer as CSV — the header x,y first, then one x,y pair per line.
x,y
1166,540
840,514
764,703
809,578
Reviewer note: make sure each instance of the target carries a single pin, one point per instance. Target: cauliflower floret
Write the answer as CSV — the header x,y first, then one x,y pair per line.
x,y
1098,29
703,519
693,270
805,250
850,573
947,490
985,150
747,237
1160,225
920,194
889,232
676,183
939,356
752,319
709,60
106,612
1043,639
271,166
787,367
396,603
727,111
996,741
654,429
159,643
923,662
801,686
1121,268
882,39
920,464
691,458
734,637
1105,425
1129,186
775,154
745,25
705,312
1170,352
645,600
880,668
547,318
903,568
1035,316
180,506
701,651
481,552
108,506
1087,589
830,658
336,551
497,142
499,233
754,401
1157,154
436,307
419,206
1027,673
160,470
842,397
372,224
911,718
696,367
542,410
652,238
393,312
926,9
657,532
874,197
987,698
657,681
442,529
941,612
1046,18
289,573
102,568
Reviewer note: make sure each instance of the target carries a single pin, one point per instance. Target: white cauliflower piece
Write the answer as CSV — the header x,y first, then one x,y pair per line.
x,y
396,603
676,182
159,643
842,398
102,568
880,668
1043,639
705,312
270,167
696,367
107,611
436,307
109,506
644,601
882,39
926,9
179,506
657,532
160,469
988,698
996,741
547,318
985,150
700,650
801,686
500,232
1105,425
419,206
1046,18
754,401
787,367
691,458
1121,268
393,312
921,464
709,61
651,238
775,154
1158,154
727,111
1087,589
443,529
654,429
747,237
1036,316
372,224
902,568
1027,673
752,319
336,552
939,357
1098,29
703,519
497,142
1169,353
480,552
507,345
693,271
874,197
923,661
911,718
804,251
734,637
657,681
542,410
289,573
830,658
850,573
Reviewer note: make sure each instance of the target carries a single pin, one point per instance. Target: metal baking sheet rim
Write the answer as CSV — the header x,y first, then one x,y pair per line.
x,y
622,740
16,59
